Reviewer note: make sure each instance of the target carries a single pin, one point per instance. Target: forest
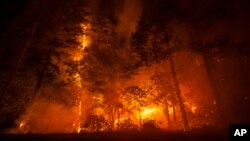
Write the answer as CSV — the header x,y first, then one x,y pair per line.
x,y
84,66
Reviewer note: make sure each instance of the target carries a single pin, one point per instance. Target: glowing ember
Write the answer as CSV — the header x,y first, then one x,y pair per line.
x,y
22,124
193,109
78,129
78,80
78,57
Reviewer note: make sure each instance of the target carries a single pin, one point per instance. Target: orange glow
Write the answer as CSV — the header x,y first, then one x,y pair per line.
x,y
191,106
193,109
78,129
170,110
151,97
22,123
78,79
80,108
149,112
78,57
85,39
120,120
85,42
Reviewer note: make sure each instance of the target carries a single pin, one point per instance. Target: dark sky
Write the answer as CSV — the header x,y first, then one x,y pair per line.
x,y
9,9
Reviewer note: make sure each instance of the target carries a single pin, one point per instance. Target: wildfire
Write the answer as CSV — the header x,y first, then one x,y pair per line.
x,y
78,80
85,42
148,112
170,109
118,121
78,129
85,39
193,109
191,106
78,56
138,105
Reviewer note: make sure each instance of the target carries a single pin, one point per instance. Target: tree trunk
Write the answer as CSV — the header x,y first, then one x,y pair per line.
x,y
220,114
178,94
208,64
169,126
40,80
42,75
174,114
112,115
20,59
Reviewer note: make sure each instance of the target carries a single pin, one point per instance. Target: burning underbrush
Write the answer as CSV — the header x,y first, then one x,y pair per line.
x,y
47,117
145,102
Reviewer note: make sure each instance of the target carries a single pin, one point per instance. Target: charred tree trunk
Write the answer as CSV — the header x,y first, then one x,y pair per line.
x,y
174,114
215,91
178,94
208,64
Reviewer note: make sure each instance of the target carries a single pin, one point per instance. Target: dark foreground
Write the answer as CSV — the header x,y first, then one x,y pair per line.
x,y
117,137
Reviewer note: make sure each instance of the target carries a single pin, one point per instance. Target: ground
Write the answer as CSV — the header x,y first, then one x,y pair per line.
x,y
167,136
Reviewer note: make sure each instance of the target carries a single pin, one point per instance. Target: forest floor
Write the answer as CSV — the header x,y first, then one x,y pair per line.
x,y
118,136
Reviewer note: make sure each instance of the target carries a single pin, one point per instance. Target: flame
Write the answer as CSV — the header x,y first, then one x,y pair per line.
x,y
80,108
150,112
78,56
84,42
79,129
191,106
193,109
170,109
22,123
120,120
78,79
85,39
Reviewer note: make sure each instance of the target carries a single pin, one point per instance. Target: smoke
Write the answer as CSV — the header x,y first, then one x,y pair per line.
x,y
128,16
46,117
